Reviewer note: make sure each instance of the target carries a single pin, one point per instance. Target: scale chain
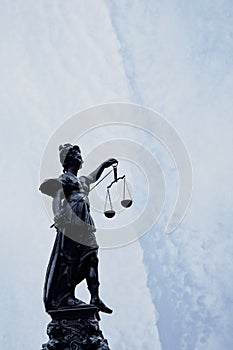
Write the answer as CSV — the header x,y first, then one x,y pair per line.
x,y
110,201
128,189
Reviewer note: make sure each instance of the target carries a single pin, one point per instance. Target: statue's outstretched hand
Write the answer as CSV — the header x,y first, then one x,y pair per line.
x,y
110,161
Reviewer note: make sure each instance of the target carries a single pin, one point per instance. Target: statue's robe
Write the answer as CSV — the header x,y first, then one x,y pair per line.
x,y
75,241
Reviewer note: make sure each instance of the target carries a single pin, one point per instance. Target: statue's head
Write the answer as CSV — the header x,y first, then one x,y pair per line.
x,y
70,155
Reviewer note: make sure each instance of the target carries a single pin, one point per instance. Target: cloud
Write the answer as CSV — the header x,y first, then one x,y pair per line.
x,y
178,60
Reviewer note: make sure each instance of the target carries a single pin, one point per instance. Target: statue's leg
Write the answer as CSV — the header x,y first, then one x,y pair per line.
x,y
92,276
64,271
93,284
58,288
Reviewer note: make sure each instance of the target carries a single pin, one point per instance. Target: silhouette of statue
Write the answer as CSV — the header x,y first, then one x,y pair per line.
x,y
75,253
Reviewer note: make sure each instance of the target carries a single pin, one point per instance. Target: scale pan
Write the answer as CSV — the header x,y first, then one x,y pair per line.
x,y
109,213
126,203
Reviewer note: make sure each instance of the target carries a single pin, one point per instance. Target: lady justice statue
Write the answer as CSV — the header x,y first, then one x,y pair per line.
x,y
75,253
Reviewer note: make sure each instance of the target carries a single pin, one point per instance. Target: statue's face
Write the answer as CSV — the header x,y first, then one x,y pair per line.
x,y
77,160
73,158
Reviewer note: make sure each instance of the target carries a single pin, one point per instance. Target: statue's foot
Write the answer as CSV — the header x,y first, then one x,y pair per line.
x,y
100,305
74,302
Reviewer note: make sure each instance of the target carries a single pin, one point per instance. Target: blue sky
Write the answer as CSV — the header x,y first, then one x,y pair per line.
x,y
58,58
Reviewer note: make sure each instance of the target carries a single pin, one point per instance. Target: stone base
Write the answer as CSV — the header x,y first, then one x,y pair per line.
x,y
75,328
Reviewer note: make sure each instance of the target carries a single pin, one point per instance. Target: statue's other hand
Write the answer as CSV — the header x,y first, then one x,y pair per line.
x,y
58,217
110,161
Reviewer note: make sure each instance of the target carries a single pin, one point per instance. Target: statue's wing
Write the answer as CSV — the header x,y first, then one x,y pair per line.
x,y
50,187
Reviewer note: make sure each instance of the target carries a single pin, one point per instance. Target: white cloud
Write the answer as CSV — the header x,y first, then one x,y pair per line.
x,y
178,60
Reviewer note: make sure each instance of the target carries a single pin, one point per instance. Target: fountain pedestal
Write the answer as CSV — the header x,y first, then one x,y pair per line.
x,y
75,328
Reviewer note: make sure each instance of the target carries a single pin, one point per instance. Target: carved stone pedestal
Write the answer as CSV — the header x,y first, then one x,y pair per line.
x,y
76,328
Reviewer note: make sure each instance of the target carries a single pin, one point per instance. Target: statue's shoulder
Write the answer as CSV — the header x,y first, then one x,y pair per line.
x,y
88,179
85,183
64,179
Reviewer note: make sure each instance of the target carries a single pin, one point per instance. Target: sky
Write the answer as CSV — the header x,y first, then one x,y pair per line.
x,y
175,57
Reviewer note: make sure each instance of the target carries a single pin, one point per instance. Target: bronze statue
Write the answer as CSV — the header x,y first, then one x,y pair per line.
x,y
75,253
